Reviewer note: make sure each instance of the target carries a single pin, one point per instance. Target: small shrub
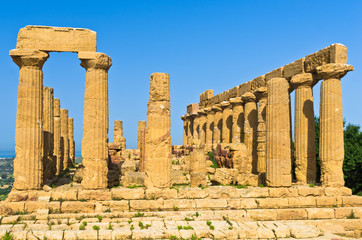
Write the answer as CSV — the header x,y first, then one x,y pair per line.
x,y
175,208
81,227
129,221
187,228
95,227
351,216
211,227
8,236
100,218
108,210
139,214
132,227
208,223
110,227
230,228
189,219
261,185
179,227
173,237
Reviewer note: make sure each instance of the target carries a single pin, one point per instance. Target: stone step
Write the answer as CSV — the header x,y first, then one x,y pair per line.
x,y
158,228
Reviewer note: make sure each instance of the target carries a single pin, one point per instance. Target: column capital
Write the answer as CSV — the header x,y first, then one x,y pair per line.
x,y
207,110
225,105
216,108
183,117
29,57
261,93
95,60
302,80
236,101
333,70
201,112
248,97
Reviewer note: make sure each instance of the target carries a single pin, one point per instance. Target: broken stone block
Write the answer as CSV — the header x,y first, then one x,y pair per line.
x,y
224,176
247,179
134,178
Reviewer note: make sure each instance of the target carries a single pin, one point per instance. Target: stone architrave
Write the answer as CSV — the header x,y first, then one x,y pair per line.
x,y
118,134
158,138
95,120
262,98
202,126
209,127
198,167
278,154
141,144
304,133
28,165
64,137
71,140
57,137
250,130
49,166
227,122
331,144
238,119
217,124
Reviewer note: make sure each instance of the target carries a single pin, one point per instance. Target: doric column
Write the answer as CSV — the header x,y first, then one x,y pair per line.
x,y
238,119
64,137
190,136
184,130
141,144
118,137
71,140
28,167
217,123
250,127
278,155
261,96
304,129
227,121
158,137
196,127
209,127
95,120
202,126
49,167
57,137
331,144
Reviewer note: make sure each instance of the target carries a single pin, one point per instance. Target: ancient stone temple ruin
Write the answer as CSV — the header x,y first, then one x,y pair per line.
x,y
235,176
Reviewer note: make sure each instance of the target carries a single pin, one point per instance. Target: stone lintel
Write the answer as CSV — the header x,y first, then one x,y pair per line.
x,y
57,39
294,68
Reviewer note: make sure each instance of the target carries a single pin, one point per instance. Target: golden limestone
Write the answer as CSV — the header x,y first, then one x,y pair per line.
x,y
57,137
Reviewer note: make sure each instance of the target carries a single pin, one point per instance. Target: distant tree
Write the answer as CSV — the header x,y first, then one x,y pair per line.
x,y
4,175
352,165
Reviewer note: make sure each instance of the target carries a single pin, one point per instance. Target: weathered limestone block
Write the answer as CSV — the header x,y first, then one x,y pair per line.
x,y
141,144
278,149
49,161
224,176
217,124
239,156
227,122
198,167
64,137
238,120
247,179
57,137
28,167
158,137
57,39
261,96
118,134
304,134
331,147
71,140
95,121
250,130
134,178
129,166
294,68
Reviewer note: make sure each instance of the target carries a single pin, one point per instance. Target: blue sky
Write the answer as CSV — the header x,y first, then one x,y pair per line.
x,y
201,44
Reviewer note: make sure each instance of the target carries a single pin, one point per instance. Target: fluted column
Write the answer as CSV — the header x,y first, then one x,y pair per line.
x,y
250,127
217,124
95,120
141,144
304,129
57,137
261,96
184,130
28,167
196,128
71,140
209,127
331,144
238,119
158,137
202,126
64,137
278,155
48,133
118,137
227,121
190,136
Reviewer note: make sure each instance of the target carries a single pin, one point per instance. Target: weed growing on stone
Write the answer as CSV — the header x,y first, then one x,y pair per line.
x,y
95,227
8,236
100,218
311,185
175,208
132,227
139,214
351,216
110,227
108,210
134,186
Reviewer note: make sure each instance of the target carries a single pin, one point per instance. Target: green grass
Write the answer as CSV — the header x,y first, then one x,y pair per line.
x,y
139,214
8,236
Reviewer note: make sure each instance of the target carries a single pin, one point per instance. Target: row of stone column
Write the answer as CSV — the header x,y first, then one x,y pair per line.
x,y
266,129
29,137
58,136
